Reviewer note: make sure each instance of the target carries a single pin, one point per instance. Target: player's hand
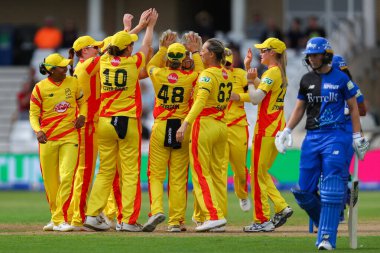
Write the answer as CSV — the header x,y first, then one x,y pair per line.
x,y
361,146
251,74
248,59
144,18
283,140
79,122
127,21
234,97
180,135
41,137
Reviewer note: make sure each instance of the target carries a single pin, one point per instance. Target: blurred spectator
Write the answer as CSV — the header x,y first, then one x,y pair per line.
x,y
313,29
23,44
23,96
204,25
237,61
48,36
69,33
295,38
255,28
271,30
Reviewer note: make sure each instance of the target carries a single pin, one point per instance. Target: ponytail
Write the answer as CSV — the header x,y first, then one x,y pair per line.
x,y
283,61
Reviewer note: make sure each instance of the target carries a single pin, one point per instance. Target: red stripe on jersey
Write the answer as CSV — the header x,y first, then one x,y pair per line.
x,y
257,198
35,101
38,92
117,195
138,100
92,65
93,102
108,105
66,205
234,122
47,121
59,136
137,202
265,119
198,169
88,166
139,59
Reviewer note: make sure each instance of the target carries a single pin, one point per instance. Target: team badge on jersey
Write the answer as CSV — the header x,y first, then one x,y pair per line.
x,y
62,107
115,61
172,78
224,74
205,79
68,93
267,80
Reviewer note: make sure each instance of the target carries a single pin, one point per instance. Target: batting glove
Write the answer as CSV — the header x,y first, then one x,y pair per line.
x,y
360,144
283,140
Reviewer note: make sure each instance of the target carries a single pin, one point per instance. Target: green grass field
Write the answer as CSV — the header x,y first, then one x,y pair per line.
x,y
22,215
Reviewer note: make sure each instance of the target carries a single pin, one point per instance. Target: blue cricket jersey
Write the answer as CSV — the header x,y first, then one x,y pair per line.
x,y
325,96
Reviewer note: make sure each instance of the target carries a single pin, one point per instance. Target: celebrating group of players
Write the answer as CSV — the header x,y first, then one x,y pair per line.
x,y
199,120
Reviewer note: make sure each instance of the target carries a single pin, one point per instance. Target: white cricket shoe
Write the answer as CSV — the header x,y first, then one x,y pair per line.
x,y
259,227
325,245
218,230
197,223
96,223
153,221
280,218
210,224
48,227
245,204
82,228
174,228
125,227
63,227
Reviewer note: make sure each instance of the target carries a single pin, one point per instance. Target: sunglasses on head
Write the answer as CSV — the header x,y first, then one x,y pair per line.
x,y
94,47
175,55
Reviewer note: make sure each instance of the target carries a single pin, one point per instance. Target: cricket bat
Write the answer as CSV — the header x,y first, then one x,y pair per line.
x,y
353,210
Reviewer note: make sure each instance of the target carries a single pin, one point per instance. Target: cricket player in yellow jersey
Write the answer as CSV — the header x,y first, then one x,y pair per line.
x,y
238,132
120,128
208,137
268,93
87,73
173,88
53,116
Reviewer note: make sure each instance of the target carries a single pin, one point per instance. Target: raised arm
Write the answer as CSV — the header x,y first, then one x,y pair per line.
x,y
148,38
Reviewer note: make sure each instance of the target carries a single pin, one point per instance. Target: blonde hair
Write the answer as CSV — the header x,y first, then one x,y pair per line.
x,y
283,61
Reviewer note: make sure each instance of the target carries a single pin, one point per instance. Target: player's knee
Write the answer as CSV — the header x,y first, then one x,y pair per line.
x,y
332,189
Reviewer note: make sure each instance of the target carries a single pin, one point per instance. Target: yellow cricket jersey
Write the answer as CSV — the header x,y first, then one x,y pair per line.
x,y
173,88
235,111
213,91
270,114
120,87
87,73
53,108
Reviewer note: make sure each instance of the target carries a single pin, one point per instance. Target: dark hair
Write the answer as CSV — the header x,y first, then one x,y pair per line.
x,y
71,57
175,64
217,47
348,73
115,51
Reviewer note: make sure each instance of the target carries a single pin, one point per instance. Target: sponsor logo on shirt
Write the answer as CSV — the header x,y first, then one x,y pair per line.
x,y
115,61
62,107
267,80
336,152
311,87
350,85
331,97
51,95
330,86
68,93
224,74
172,78
205,79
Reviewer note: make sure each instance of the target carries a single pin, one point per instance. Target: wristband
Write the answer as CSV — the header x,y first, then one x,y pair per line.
x,y
288,130
356,135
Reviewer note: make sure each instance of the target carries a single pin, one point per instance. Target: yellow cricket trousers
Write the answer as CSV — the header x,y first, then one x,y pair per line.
x,y
207,150
114,206
264,153
128,150
236,154
85,171
177,162
58,161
